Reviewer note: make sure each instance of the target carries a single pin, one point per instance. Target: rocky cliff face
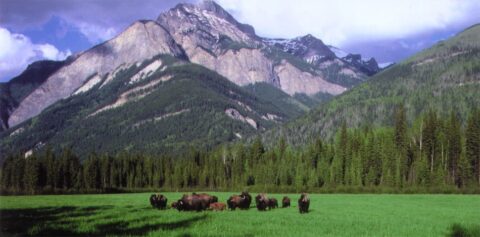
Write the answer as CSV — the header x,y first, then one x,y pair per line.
x,y
211,37
141,41
293,80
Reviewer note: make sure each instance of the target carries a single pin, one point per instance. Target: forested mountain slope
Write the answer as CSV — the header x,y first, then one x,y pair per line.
x,y
445,78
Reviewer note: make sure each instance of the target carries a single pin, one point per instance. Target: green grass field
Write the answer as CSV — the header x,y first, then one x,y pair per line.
x,y
330,215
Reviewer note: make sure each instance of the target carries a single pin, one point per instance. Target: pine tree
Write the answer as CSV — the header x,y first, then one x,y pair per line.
x,y
464,171
429,138
31,174
401,128
50,168
454,147
472,145
343,152
257,150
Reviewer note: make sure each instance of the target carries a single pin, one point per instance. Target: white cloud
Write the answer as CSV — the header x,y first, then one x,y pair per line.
x,y
18,51
96,33
341,22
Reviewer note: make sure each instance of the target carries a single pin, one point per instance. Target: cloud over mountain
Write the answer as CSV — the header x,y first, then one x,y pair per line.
x,y
18,51
349,21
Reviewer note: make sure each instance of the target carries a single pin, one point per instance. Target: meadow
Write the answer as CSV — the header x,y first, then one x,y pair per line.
x,y
330,215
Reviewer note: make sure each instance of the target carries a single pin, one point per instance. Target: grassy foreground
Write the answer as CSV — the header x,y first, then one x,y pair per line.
x,y
331,215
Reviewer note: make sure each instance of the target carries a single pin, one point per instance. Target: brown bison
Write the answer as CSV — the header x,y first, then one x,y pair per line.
x,y
217,206
241,201
303,203
262,202
206,197
195,202
272,203
285,202
174,205
158,201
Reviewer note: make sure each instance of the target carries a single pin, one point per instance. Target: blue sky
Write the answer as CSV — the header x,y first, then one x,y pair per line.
x,y
385,29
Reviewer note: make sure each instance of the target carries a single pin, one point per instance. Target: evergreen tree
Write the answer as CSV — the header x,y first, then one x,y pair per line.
x,y
342,152
472,145
429,138
32,169
454,147
401,128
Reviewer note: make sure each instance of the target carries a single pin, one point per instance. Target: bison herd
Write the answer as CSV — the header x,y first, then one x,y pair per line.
x,y
203,201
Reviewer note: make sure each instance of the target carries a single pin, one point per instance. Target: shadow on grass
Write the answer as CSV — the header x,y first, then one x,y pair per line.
x,y
457,230
120,228
50,221
35,221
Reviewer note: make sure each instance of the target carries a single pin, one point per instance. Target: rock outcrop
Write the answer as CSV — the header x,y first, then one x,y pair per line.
x,y
292,81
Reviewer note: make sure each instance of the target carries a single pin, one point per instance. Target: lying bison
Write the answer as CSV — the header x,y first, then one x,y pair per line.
x,y
272,203
195,202
241,201
158,201
262,202
285,202
217,206
303,203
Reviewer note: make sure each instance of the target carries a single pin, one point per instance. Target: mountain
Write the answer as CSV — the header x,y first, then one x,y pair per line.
x,y
142,40
160,105
204,34
336,65
445,78
211,37
75,96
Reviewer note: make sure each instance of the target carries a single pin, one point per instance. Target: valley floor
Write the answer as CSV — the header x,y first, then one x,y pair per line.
x,y
330,215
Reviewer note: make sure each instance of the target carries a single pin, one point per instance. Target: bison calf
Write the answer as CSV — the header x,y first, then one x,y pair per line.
x,y
285,202
217,206
303,203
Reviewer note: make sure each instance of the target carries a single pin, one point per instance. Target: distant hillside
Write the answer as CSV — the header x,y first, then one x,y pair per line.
x,y
445,77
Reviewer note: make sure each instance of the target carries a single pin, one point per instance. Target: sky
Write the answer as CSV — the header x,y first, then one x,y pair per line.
x,y
388,30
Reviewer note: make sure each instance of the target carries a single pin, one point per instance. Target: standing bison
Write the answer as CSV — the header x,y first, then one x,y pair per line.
x,y
241,201
303,203
262,202
195,202
158,201
285,202
272,203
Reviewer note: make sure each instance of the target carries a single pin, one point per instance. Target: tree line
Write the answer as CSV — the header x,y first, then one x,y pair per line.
x,y
433,154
